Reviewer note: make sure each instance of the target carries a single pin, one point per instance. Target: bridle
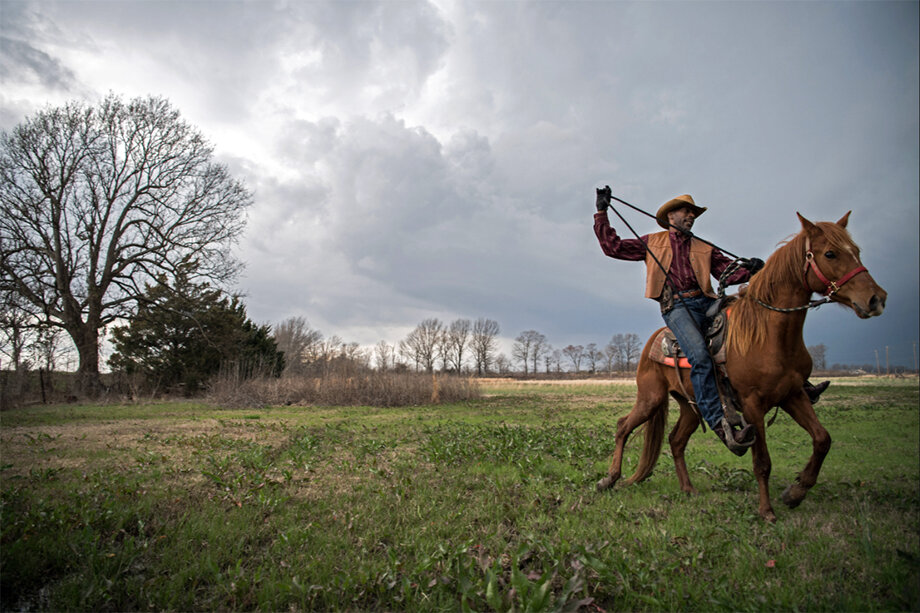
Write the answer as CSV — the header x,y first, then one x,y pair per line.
x,y
830,287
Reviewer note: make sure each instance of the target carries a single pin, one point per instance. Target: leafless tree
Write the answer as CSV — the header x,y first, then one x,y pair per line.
x,y
632,349
592,355
297,340
628,348
47,347
502,364
483,343
548,358
385,356
96,201
457,340
15,331
575,354
538,349
611,356
421,345
818,356
524,348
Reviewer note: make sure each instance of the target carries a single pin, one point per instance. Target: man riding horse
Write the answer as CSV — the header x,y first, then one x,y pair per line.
x,y
678,270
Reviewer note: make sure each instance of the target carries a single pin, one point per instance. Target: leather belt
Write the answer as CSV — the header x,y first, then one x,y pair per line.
x,y
691,293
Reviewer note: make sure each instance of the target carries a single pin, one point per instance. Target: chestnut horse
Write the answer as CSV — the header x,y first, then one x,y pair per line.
x,y
767,361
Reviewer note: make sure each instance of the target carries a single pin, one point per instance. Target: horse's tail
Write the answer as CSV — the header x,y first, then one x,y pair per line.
x,y
651,446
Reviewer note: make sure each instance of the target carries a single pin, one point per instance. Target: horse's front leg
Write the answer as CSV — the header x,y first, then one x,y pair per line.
x,y
801,410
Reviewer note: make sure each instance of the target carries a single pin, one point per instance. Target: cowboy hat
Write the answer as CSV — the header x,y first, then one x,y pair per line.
x,y
675,203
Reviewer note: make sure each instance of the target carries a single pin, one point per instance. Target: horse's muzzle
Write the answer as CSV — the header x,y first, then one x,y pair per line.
x,y
874,306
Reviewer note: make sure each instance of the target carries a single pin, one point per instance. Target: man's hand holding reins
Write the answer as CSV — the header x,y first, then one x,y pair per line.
x,y
754,265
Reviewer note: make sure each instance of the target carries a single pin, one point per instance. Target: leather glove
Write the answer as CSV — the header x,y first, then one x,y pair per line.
x,y
603,198
754,265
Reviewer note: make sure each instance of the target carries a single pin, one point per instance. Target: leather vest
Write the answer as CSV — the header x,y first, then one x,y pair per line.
x,y
659,244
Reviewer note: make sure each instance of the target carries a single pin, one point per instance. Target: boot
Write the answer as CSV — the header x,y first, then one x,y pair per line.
x,y
814,391
737,441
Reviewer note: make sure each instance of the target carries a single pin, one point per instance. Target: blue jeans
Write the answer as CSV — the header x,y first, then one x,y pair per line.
x,y
689,325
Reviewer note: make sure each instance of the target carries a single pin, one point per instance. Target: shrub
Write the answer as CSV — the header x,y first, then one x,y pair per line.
x,y
369,388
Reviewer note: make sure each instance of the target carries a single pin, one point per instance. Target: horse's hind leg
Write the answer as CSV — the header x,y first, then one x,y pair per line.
x,y
686,425
652,397
799,407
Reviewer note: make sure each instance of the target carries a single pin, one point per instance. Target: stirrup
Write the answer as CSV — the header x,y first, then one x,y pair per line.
x,y
738,447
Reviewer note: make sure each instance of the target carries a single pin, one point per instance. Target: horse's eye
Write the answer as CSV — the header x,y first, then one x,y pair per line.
x,y
830,255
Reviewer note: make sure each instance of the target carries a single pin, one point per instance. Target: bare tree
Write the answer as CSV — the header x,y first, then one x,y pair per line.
x,y
385,356
457,340
483,343
325,352
421,346
15,331
593,356
297,341
611,355
818,356
97,201
548,357
627,348
632,350
525,348
47,347
538,349
575,354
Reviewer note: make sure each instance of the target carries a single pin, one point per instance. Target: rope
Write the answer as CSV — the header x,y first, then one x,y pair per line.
x,y
687,232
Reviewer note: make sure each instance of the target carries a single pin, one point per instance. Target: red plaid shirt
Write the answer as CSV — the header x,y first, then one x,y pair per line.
x,y
680,272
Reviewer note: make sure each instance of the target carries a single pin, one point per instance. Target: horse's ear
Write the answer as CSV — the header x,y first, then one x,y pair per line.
x,y
843,220
810,228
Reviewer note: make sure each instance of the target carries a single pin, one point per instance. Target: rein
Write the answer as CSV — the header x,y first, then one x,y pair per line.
x,y
681,230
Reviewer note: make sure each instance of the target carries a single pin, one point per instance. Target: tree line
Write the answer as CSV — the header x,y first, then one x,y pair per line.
x,y
462,346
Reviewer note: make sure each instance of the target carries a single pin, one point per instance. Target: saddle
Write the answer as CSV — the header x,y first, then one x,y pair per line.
x,y
666,350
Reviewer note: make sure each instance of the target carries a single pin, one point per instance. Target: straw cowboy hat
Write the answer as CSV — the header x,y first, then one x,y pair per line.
x,y
675,203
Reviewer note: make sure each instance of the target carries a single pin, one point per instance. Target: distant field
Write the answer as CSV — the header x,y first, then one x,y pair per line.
x,y
486,505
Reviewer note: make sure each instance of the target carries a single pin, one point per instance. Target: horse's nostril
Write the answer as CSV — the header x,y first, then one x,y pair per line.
x,y
877,303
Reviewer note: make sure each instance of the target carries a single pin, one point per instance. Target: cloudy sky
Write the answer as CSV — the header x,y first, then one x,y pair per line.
x,y
439,159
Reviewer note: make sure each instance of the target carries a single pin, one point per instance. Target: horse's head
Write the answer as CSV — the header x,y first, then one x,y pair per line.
x,y
833,268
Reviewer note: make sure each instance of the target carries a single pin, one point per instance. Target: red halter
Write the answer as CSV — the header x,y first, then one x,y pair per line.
x,y
832,287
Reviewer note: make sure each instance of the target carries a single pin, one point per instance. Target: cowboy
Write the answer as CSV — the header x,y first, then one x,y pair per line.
x,y
682,286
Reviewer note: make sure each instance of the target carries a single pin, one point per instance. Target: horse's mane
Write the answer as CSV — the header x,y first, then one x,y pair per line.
x,y
782,270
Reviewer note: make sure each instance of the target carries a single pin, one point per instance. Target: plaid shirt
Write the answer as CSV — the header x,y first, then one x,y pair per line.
x,y
680,272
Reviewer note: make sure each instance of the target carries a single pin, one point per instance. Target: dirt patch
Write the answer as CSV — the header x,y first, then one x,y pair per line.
x,y
94,446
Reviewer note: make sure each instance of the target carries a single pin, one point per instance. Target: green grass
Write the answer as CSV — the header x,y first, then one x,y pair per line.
x,y
488,505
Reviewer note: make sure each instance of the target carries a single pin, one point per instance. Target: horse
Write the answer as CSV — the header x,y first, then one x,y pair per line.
x,y
766,359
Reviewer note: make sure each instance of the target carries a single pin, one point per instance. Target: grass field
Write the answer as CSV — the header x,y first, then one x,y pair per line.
x,y
488,505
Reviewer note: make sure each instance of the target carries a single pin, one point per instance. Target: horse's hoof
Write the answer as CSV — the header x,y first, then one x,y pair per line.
x,y
769,516
604,484
794,495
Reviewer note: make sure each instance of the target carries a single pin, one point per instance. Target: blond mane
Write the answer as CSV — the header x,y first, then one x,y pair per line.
x,y
782,270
